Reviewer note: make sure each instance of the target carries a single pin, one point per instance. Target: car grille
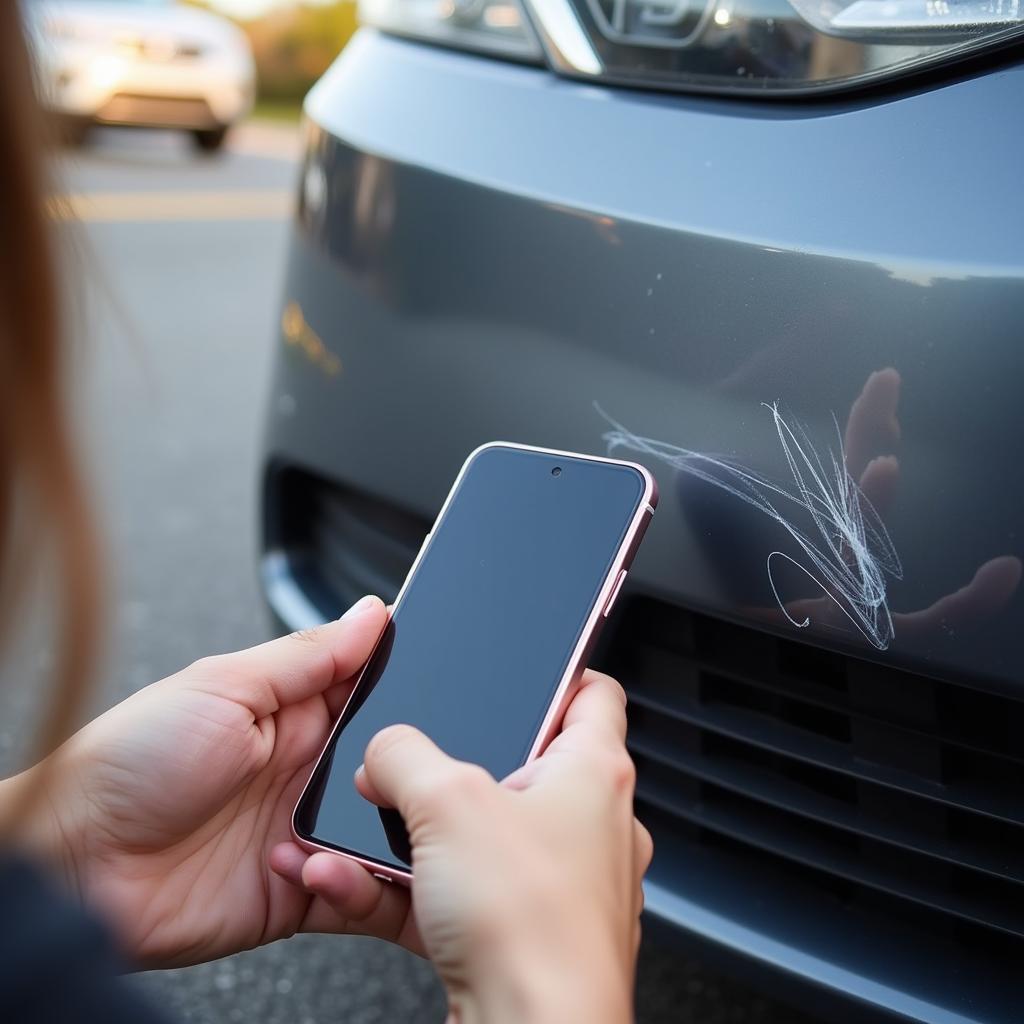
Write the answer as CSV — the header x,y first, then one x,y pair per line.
x,y
882,788
339,543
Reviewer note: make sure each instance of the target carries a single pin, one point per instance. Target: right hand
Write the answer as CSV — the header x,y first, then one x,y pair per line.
x,y
526,894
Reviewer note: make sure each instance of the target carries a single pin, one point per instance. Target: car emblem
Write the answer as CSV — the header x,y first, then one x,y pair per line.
x,y
664,23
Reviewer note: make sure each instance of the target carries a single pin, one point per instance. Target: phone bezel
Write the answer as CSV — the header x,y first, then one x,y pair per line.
x,y
570,680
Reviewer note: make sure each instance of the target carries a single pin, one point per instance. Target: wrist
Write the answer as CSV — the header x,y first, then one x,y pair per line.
x,y
541,982
34,824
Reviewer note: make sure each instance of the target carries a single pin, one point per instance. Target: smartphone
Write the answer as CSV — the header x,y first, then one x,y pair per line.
x,y
490,633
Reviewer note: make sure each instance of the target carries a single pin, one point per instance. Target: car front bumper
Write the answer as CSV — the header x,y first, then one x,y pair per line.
x,y
97,81
758,301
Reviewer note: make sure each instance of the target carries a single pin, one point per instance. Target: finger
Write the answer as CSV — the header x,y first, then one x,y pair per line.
x,y
989,591
873,427
292,668
349,900
287,860
643,851
879,483
643,848
369,905
347,886
336,697
366,788
597,714
405,770
600,702
524,777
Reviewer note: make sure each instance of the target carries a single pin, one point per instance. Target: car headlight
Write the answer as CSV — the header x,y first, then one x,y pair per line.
x,y
749,46
487,26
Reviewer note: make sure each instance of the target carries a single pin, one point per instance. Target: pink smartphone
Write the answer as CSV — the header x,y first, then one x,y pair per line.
x,y
490,633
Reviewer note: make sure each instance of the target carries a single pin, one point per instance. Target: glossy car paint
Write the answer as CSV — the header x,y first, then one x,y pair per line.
x,y
486,250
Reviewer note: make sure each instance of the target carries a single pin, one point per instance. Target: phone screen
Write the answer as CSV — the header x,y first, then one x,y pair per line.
x,y
484,632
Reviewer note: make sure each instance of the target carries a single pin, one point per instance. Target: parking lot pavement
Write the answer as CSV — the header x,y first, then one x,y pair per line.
x,y
177,267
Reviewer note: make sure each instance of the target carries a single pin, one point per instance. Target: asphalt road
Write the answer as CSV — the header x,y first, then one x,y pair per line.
x,y
176,264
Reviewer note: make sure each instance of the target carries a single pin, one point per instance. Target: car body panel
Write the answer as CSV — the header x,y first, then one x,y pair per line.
x,y
804,319
793,322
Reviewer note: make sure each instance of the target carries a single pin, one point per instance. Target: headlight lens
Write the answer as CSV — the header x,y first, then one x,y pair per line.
x,y
488,26
748,46
914,21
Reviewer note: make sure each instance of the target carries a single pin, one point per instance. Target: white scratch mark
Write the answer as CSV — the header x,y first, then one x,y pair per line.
x,y
848,550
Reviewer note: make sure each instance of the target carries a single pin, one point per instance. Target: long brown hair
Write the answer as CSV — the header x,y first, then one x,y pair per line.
x,y
45,519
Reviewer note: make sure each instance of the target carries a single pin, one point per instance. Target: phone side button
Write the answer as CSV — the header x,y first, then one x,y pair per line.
x,y
383,878
615,592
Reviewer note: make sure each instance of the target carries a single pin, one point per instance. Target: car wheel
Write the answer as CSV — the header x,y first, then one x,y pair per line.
x,y
209,140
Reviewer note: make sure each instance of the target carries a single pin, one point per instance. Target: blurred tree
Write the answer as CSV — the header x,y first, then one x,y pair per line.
x,y
294,44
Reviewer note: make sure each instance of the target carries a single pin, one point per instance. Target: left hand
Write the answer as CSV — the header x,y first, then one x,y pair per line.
x,y
164,810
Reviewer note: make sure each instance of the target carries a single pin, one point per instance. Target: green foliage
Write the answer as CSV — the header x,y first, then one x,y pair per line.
x,y
293,45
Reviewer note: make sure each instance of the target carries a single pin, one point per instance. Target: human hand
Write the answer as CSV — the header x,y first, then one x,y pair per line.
x,y
874,426
164,810
870,440
526,894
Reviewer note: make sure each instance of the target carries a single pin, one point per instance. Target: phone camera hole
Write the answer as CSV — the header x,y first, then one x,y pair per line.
x,y
557,471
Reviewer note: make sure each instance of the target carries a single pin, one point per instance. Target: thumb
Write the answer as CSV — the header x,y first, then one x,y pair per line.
x,y
407,771
294,667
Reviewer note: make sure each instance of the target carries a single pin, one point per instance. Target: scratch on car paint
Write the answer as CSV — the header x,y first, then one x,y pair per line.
x,y
848,551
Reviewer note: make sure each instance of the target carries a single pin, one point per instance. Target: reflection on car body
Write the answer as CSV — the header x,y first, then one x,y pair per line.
x,y
842,496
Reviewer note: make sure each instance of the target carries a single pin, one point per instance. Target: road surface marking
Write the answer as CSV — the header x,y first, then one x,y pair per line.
x,y
141,207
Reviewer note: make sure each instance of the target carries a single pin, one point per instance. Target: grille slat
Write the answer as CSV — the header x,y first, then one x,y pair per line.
x,y
779,792
757,827
779,737
1001,744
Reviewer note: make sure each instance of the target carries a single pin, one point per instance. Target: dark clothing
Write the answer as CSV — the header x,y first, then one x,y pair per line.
x,y
57,964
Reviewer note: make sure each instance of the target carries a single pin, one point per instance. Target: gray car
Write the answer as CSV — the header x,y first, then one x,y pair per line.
x,y
775,251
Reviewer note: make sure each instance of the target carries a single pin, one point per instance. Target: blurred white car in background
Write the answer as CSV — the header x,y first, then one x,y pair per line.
x,y
148,63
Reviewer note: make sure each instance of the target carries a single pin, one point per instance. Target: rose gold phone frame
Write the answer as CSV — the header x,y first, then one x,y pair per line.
x,y
570,681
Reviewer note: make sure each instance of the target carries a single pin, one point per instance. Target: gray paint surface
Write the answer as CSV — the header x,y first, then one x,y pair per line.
x,y
784,266
683,262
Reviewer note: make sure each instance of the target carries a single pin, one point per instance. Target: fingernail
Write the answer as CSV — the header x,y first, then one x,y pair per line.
x,y
362,605
360,772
